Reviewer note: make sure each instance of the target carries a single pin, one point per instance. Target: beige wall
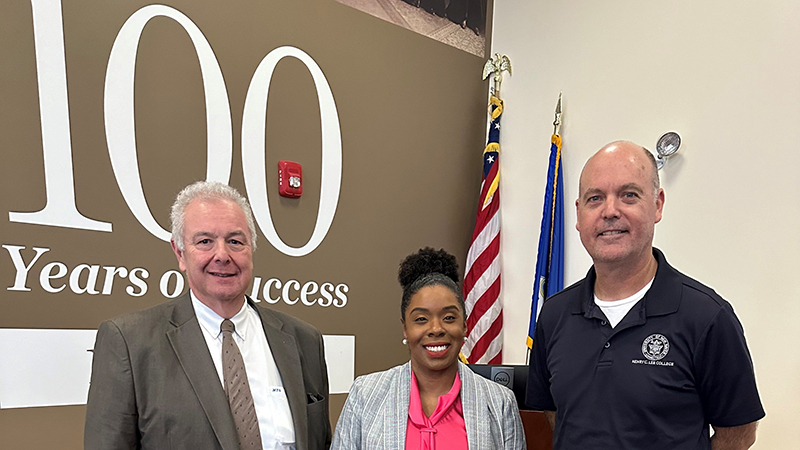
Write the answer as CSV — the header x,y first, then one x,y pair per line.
x,y
725,76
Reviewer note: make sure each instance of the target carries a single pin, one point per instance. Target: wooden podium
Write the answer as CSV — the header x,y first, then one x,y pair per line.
x,y
538,434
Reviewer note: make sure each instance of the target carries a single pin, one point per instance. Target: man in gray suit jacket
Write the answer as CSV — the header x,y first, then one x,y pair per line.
x,y
157,375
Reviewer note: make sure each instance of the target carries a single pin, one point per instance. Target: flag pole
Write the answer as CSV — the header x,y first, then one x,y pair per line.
x,y
549,276
484,312
557,121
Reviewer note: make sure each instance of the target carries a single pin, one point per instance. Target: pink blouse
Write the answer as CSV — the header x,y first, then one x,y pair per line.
x,y
444,429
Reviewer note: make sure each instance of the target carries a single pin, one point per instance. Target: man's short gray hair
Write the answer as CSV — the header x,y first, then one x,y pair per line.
x,y
207,190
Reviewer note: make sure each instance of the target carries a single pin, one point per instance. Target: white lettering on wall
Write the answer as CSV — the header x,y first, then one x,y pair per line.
x,y
287,297
164,284
254,147
138,282
267,296
21,279
326,290
109,280
53,271
341,297
119,113
308,289
119,117
51,74
91,280
47,276
83,278
288,292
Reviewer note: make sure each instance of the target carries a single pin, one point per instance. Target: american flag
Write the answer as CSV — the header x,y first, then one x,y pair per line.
x,y
484,342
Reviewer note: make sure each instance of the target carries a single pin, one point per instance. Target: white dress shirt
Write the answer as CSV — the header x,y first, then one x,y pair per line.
x,y
271,403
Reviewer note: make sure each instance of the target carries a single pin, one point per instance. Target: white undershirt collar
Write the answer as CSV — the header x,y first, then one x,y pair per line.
x,y
616,310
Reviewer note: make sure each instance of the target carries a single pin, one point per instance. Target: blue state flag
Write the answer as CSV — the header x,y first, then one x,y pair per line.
x,y
549,277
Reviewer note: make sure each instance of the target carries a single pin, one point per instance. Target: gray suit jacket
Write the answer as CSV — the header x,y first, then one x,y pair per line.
x,y
154,385
375,414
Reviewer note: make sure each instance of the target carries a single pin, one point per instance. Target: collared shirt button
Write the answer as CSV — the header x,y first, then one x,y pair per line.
x,y
604,323
608,344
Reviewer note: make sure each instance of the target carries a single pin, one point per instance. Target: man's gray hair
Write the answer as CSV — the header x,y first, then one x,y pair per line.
x,y
207,190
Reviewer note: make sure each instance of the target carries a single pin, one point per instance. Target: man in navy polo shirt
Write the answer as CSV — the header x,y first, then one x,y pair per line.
x,y
637,355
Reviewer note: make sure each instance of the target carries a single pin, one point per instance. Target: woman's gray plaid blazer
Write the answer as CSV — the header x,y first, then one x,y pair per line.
x,y
376,412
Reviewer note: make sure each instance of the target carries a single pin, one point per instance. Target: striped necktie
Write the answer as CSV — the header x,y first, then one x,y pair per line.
x,y
238,391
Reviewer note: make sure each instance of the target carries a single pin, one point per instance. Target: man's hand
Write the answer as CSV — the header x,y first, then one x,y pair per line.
x,y
734,438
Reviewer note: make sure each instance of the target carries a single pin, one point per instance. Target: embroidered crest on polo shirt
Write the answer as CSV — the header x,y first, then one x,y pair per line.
x,y
655,347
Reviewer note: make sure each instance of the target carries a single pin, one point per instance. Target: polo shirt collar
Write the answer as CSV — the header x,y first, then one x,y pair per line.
x,y
663,297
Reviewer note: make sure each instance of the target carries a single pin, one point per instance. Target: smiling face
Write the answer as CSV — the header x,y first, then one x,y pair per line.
x,y
434,326
618,208
217,255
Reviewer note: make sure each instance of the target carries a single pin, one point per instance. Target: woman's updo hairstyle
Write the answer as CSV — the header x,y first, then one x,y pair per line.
x,y
428,267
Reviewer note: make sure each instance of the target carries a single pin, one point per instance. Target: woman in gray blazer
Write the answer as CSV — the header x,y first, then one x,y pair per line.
x,y
433,401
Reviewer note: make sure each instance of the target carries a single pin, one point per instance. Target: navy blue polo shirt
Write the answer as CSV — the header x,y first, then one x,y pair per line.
x,y
677,362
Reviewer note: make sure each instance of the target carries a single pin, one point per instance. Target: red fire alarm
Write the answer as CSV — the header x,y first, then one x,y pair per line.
x,y
290,176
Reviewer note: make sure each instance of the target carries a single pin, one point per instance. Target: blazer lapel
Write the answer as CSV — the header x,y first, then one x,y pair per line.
x,y
287,357
190,347
396,428
470,407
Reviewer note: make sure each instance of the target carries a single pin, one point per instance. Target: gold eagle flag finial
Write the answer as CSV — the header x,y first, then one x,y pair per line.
x,y
496,65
